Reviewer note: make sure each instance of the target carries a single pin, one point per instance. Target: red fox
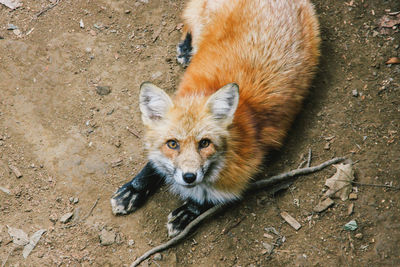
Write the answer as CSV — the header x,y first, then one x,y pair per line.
x,y
251,64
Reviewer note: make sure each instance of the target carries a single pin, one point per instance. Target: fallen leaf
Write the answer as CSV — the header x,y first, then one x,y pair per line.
x,y
19,237
338,184
389,21
393,60
13,4
33,240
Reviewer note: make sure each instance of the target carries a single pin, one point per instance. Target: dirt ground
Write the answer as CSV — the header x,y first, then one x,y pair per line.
x,y
74,146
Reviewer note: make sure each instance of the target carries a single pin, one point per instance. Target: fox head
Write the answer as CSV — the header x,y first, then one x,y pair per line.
x,y
186,137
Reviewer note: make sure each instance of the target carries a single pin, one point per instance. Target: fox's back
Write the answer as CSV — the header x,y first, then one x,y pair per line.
x,y
269,48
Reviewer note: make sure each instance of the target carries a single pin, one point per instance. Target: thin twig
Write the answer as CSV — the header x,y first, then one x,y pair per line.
x,y
375,185
302,164
47,8
84,218
214,210
133,132
284,176
179,237
91,210
309,157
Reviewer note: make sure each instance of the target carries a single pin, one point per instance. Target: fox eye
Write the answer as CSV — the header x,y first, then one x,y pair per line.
x,y
204,143
172,144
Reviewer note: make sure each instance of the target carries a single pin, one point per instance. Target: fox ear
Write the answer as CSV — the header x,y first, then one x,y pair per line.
x,y
154,103
224,102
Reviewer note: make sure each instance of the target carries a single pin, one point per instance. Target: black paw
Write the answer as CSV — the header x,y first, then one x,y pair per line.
x,y
184,50
182,216
127,199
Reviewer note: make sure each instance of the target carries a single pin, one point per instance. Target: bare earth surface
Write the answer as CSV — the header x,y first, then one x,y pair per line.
x,y
72,145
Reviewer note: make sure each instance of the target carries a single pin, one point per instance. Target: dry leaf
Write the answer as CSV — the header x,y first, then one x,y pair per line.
x,y
393,60
19,237
33,240
13,4
338,187
389,21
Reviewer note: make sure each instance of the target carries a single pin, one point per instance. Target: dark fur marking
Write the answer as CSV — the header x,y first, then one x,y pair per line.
x,y
185,50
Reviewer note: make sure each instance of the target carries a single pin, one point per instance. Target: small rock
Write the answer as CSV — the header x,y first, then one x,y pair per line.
x,y
66,217
88,50
354,93
76,200
268,236
359,236
353,196
5,190
17,32
268,248
350,209
327,146
127,11
103,90
324,205
290,220
107,238
81,24
350,226
11,27
157,257
15,170
53,218
131,242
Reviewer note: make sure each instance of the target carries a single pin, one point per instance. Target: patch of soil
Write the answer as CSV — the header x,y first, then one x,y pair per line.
x,y
72,145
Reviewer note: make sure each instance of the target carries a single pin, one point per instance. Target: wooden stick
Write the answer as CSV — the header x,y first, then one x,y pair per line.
x,y
284,176
179,237
309,157
214,210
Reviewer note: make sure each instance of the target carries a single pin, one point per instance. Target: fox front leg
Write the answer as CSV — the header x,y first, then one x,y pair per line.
x,y
185,50
182,216
133,194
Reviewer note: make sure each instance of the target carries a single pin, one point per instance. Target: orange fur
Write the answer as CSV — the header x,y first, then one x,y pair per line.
x,y
270,48
272,84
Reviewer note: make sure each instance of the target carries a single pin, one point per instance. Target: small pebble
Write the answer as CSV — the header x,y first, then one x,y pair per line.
x,y
81,24
107,238
157,257
354,93
359,236
327,146
11,27
66,217
103,90
53,218
353,196
131,242
350,209
351,226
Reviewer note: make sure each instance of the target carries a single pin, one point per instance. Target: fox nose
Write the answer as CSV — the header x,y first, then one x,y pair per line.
x,y
189,177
